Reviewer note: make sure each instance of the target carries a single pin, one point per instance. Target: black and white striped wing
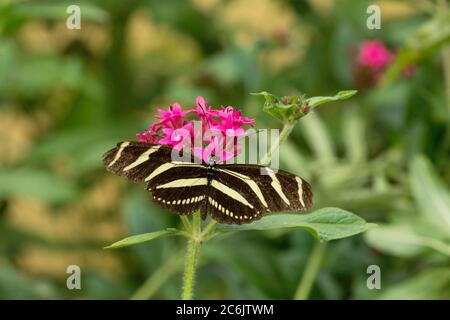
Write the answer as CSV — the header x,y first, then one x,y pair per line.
x,y
235,194
177,186
242,194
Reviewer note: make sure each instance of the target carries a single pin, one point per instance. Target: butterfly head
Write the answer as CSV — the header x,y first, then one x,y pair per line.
x,y
212,161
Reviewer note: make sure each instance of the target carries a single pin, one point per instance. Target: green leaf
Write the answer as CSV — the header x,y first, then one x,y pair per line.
x,y
324,224
341,95
275,107
431,194
140,238
403,241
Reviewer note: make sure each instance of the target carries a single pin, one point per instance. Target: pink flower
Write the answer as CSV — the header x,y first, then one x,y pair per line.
x,y
176,137
374,55
215,136
172,118
372,60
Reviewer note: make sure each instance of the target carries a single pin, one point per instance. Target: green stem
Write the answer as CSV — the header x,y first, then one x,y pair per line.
x,y
311,270
186,224
285,132
210,227
196,224
193,249
191,258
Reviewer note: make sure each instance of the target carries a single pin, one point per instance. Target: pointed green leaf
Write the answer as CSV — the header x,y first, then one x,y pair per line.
x,y
341,95
324,224
140,238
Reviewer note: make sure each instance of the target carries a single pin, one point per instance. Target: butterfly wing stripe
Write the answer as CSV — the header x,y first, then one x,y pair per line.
x,y
300,190
230,192
169,165
277,186
180,183
119,152
142,158
252,184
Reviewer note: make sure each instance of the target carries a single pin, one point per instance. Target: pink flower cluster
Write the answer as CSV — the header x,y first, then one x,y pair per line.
x,y
372,60
210,132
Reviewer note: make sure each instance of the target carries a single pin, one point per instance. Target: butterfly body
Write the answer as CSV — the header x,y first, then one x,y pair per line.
x,y
230,193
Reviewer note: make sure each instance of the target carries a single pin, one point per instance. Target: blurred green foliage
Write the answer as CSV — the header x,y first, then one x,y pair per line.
x,y
66,96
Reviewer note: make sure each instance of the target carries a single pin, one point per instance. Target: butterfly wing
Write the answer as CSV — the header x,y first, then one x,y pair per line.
x,y
136,160
175,185
227,200
263,190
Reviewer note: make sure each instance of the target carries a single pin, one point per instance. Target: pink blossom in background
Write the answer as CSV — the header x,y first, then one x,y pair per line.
x,y
217,133
374,55
372,60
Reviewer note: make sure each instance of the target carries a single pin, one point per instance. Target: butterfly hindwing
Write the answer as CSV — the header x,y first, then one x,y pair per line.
x,y
181,200
179,187
276,190
229,201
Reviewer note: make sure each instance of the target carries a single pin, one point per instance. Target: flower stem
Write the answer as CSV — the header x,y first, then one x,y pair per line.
x,y
190,266
285,132
311,270
186,224
210,227
193,249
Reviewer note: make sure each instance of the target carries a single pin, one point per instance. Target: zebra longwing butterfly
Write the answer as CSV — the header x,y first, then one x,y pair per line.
x,y
230,193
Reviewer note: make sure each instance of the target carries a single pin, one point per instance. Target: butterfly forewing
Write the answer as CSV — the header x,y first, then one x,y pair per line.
x,y
136,160
175,185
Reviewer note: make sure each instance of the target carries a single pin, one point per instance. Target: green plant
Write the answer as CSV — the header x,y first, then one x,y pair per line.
x,y
324,224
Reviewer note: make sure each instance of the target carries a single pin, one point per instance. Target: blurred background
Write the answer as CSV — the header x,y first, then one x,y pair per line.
x,y
67,96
